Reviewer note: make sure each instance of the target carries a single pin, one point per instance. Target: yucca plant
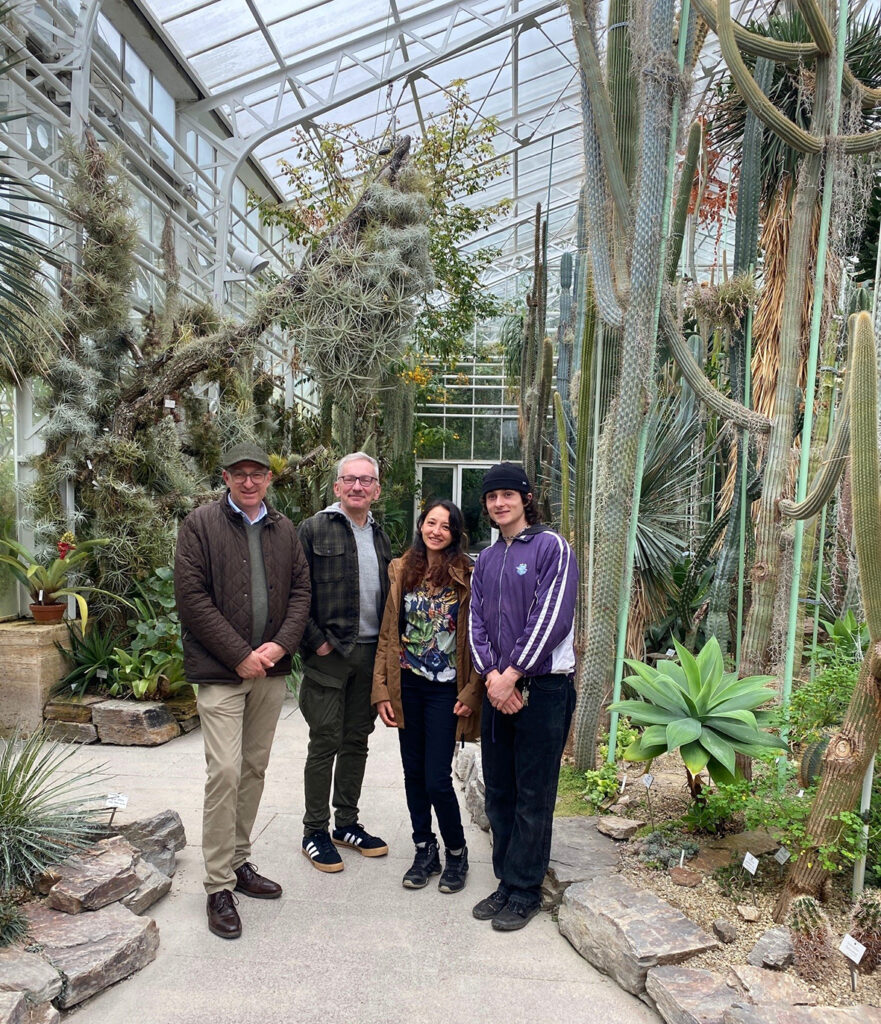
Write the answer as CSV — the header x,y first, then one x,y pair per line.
x,y
13,923
90,653
709,715
46,809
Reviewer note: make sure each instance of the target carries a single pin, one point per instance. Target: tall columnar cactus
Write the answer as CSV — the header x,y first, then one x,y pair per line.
x,y
865,927
850,750
811,938
535,373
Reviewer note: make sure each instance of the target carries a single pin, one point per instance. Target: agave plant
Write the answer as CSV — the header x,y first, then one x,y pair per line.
x,y
709,715
45,810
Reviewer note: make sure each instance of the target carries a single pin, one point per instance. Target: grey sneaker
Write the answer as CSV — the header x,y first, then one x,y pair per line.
x,y
425,864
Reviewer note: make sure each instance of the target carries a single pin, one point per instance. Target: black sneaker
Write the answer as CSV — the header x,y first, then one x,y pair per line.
x,y
515,915
490,905
319,849
455,870
425,864
354,836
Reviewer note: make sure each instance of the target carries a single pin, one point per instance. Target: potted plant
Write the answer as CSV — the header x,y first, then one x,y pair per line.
x,y
48,582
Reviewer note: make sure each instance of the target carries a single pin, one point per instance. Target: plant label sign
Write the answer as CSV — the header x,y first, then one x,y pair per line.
x,y
852,949
169,403
647,780
750,863
100,673
782,855
116,800
623,784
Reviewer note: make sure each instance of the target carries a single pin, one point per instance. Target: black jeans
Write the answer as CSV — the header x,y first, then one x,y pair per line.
x,y
427,743
521,767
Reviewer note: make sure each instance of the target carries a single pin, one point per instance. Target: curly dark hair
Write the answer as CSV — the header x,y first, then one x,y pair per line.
x,y
530,508
415,558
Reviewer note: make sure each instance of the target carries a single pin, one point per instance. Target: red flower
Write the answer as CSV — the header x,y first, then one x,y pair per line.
x,y
65,548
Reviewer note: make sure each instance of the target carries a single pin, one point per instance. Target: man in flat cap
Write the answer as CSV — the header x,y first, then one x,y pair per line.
x,y
241,582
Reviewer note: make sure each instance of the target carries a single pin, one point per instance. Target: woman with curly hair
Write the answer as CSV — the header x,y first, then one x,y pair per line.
x,y
424,685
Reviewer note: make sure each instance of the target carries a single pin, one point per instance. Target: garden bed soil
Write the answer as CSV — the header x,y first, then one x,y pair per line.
x,y
708,901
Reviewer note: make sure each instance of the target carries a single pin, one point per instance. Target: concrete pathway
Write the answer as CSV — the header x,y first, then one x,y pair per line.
x,y
348,948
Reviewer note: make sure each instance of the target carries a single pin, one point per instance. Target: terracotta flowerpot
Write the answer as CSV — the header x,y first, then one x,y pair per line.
x,y
48,612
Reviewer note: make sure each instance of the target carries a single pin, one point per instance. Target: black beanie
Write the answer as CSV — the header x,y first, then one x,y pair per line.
x,y
505,476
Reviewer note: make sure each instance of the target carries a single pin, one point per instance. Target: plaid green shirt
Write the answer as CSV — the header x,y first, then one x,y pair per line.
x,y
329,545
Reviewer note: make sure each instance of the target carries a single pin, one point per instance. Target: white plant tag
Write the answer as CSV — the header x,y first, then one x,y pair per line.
x,y
623,784
647,780
100,673
852,949
89,463
782,855
40,597
682,857
116,800
169,403
801,793
750,863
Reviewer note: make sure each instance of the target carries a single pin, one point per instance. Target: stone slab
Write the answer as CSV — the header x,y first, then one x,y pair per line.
x,y
73,708
624,931
94,877
475,800
578,854
93,951
45,1013
685,995
724,850
21,971
464,761
157,838
154,885
72,732
773,950
763,986
30,666
13,1008
134,723
780,1013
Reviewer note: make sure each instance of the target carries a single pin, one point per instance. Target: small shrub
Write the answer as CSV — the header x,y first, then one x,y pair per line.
x,y
600,785
664,850
821,702
13,923
811,938
865,927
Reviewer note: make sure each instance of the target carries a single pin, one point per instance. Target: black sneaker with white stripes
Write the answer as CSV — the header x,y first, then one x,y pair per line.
x,y
355,836
320,850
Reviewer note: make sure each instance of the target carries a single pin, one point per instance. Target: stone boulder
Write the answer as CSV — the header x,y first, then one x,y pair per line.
x,y
45,1013
72,732
773,950
725,931
780,1013
134,723
464,761
624,931
762,986
618,828
684,995
154,885
157,838
92,951
475,795
21,971
13,1008
578,854
94,877
73,708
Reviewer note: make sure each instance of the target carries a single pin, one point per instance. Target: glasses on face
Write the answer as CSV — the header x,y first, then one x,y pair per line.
x,y
349,481
239,477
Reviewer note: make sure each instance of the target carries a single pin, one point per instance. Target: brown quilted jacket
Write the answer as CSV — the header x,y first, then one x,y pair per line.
x,y
387,667
212,580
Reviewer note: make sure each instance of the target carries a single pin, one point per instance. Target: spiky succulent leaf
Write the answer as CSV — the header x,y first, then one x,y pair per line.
x,y
641,712
685,730
718,747
719,773
695,757
661,691
640,751
690,668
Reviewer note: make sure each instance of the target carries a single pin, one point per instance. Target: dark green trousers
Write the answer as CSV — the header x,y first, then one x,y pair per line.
x,y
335,703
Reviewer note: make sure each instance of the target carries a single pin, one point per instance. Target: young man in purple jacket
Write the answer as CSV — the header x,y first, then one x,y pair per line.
x,y
523,593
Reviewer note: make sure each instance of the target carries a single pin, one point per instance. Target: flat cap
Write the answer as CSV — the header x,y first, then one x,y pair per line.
x,y
246,452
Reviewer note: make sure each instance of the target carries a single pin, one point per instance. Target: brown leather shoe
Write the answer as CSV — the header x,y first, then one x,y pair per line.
x,y
252,884
223,918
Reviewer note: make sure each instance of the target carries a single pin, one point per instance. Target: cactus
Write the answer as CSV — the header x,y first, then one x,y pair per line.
x,y
811,938
865,927
852,747
563,443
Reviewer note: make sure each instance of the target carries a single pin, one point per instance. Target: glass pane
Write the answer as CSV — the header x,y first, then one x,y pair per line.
x,y
510,441
487,436
164,112
8,595
458,441
477,525
437,482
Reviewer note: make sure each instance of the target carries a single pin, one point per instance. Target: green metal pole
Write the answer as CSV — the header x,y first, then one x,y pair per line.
x,y
626,582
744,504
816,312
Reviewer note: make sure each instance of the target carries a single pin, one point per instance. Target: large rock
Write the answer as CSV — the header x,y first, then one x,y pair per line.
x,y
93,951
134,723
72,732
779,1013
73,708
618,828
94,877
625,931
724,850
464,761
13,1008
763,986
158,838
32,665
684,995
578,854
475,799
21,971
773,950
154,885
45,1013
183,709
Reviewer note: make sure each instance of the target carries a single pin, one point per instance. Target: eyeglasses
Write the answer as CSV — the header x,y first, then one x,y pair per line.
x,y
350,481
239,477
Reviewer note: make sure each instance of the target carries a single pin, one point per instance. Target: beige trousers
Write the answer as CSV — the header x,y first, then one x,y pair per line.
x,y
238,726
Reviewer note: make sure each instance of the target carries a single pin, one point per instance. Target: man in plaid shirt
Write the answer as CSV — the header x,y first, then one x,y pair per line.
x,y
348,554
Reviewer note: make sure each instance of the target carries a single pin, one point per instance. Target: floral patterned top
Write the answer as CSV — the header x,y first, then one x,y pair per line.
x,y
428,646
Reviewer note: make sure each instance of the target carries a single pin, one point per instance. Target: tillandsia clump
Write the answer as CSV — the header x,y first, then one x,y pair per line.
x,y
13,923
726,304
865,927
697,708
811,938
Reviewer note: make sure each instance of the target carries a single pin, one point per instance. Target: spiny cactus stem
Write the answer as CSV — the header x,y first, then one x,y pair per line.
x,y
563,443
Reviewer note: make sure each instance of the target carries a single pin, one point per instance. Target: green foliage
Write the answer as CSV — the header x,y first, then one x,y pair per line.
x,y
90,657
699,709
822,701
865,927
47,810
600,786
718,806
664,849
848,641
13,923
146,675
